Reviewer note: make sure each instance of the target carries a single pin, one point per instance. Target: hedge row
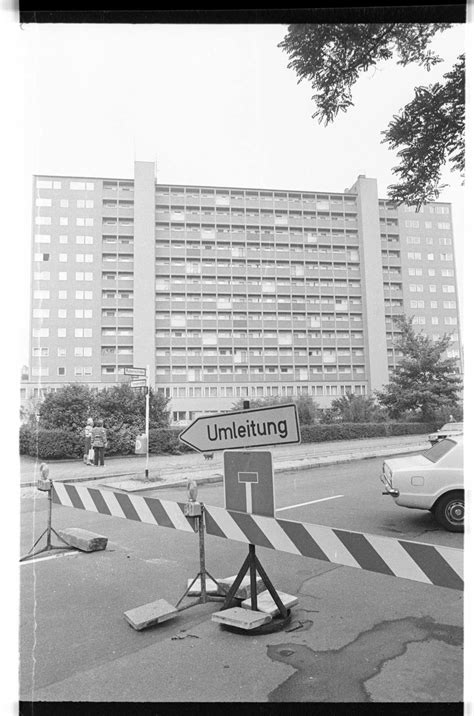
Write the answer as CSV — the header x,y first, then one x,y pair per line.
x,y
351,431
61,444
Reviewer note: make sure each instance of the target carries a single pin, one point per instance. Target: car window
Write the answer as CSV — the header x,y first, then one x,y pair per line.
x,y
439,450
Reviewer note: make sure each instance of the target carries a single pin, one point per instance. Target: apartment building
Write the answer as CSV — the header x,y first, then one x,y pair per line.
x,y
229,293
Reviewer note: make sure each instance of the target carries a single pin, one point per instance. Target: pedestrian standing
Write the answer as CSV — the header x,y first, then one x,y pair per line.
x,y
88,452
99,442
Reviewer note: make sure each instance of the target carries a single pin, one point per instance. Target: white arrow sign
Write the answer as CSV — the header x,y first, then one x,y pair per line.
x,y
276,425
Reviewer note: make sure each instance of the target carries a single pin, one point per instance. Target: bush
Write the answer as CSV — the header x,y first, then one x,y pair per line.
x,y
25,440
121,441
62,444
55,445
166,441
352,431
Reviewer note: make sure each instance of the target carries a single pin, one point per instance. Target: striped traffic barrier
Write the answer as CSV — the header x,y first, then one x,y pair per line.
x,y
418,561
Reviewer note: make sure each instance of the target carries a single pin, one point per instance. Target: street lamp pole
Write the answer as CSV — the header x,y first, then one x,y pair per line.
x,y
147,418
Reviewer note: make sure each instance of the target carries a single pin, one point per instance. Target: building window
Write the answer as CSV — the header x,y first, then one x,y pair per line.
x,y
63,221
39,371
83,332
62,313
62,275
42,220
63,239
42,238
41,313
61,371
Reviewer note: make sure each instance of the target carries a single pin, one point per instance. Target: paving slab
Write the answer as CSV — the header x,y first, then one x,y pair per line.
x,y
211,587
243,592
266,604
150,614
241,618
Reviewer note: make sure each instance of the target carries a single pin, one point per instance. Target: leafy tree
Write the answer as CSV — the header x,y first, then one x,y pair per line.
x,y
355,409
120,407
423,382
305,405
429,132
68,408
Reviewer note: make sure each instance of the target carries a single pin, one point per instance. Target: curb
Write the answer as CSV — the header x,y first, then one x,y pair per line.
x,y
219,478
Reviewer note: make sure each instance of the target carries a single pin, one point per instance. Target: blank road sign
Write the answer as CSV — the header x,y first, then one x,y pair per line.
x,y
248,482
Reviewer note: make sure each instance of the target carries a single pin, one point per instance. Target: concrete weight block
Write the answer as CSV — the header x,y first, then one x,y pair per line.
x,y
83,539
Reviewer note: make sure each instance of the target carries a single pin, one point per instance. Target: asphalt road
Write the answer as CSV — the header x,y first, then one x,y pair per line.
x,y
347,496
355,635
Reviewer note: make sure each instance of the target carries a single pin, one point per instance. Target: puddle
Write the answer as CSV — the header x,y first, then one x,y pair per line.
x,y
340,674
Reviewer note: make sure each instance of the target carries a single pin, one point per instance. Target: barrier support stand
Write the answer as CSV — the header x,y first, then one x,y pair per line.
x,y
203,597
252,563
46,486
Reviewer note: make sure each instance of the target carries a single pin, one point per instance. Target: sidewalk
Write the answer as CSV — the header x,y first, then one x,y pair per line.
x,y
175,470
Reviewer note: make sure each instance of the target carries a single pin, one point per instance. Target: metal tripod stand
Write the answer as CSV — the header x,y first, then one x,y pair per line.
x,y
204,596
46,485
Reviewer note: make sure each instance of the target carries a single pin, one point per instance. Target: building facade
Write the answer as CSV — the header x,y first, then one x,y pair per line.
x,y
228,293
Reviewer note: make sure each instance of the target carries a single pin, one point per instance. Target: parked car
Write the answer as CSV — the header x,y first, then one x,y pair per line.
x,y
447,431
430,481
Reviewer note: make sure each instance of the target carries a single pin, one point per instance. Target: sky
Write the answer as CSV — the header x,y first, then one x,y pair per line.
x,y
210,104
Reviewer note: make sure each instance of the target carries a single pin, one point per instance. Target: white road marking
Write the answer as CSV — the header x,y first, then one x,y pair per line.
x,y
51,556
301,504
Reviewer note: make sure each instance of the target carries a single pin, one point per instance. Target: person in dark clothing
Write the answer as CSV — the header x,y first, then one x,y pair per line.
x,y
99,442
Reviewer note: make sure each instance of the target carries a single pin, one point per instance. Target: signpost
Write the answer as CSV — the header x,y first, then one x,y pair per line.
x,y
248,476
142,380
276,425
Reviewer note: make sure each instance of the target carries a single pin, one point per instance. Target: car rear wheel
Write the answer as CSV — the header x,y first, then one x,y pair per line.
x,y
449,511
